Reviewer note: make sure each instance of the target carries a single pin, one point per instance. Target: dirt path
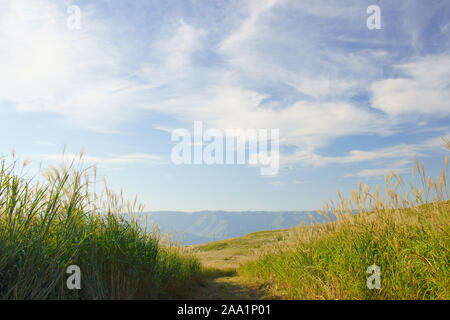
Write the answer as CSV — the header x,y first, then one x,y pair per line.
x,y
227,285
222,259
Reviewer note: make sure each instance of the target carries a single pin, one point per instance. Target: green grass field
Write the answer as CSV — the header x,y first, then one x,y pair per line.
x,y
48,225
231,253
413,257
406,234
412,251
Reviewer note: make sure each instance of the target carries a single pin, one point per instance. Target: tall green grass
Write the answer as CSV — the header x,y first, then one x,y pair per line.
x,y
47,225
405,233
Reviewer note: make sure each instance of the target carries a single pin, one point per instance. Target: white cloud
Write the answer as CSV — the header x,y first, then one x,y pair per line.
x,y
84,77
48,68
330,8
398,156
173,55
424,88
181,45
249,27
77,74
304,124
398,167
378,172
402,151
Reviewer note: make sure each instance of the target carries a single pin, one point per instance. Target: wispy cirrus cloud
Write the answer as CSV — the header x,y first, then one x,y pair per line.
x,y
398,167
302,67
398,154
47,68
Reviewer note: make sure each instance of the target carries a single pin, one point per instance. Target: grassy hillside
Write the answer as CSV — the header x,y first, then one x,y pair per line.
x,y
407,235
47,225
221,260
231,253
409,239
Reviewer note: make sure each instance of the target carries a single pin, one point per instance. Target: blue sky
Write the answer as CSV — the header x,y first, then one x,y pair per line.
x,y
350,103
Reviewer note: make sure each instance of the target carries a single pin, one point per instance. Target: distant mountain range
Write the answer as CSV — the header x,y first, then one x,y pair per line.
x,y
205,226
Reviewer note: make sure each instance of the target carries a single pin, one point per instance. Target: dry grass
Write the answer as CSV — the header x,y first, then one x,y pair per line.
x,y
405,233
50,224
